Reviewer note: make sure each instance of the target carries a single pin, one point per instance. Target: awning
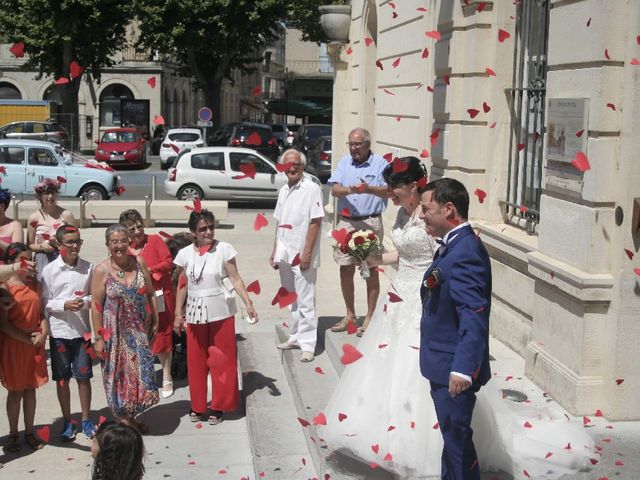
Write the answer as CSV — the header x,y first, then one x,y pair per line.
x,y
299,108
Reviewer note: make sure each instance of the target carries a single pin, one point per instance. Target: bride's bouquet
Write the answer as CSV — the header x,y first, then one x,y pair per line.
x,y
360,244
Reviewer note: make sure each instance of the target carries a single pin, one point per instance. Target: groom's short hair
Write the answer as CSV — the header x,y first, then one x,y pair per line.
x,y
450,190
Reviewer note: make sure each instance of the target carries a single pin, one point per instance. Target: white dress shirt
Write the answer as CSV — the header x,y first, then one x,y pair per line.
x,y
62,282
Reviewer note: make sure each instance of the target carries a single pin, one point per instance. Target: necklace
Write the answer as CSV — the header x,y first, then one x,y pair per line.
x,y
196,280
120,272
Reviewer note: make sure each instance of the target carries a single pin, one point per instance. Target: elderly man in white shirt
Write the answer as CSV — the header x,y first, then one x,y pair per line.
x,y
65,297
296,250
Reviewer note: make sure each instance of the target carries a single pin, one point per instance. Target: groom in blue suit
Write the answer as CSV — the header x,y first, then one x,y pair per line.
x,y
454,331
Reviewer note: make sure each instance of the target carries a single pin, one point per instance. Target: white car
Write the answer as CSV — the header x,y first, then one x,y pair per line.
x,y
215,173
177,140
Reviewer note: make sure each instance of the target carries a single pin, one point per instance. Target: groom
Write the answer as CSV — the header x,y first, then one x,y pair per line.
x,y
454,338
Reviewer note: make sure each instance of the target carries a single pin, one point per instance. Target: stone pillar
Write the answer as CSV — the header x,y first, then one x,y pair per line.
x,y
584,340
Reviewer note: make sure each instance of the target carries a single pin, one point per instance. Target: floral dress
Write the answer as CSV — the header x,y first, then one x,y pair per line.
x,y
127,372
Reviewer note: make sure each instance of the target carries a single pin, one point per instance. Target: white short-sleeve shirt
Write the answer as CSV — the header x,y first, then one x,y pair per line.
x,y
207,299
296,207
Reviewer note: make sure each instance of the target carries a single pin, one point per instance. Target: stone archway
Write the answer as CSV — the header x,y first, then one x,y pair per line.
x,y
8,91
110,104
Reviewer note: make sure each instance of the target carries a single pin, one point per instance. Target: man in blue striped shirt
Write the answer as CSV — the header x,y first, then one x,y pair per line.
x,y
362,195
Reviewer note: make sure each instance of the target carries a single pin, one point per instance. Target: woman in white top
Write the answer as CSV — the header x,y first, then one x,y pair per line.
x,y
209,314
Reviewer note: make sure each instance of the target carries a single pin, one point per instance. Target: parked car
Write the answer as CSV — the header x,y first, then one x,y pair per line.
x,y
215,173
47,131
179,139
256,136
319,158
159,132
122,146
284,133
221,136
26,162
308,134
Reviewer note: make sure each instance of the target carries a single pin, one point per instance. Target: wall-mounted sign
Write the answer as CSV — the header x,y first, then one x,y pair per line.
x,y
566,128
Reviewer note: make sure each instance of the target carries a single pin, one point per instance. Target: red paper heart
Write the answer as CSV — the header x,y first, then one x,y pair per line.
x,y
368,41
388,157
204,249
581,162
620,380
399,165
61,179
473,112
158,120
351,327
142,290
424,153
375,448
86,336
349,51
503,35
157,276
396,62
37,358
286,226
635,61
260,222
345,212
394,298
341,417
62,348
165,235
350,354
611,106
388,457
435,135
339,236
318,370
303,422
104,333
434,34
296,260
254,139
151,81
548,455
527,425
283,167
44,433
387,91
598,413
481,194
585,420
75,70
248,169
61,81
254,287
379,65
17,49
606,54
256,91
182,282
284,298
320,419
425,53
485,107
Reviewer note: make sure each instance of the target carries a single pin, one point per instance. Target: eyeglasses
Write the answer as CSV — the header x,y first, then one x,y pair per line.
x,y
296,164
356,144
136,228
114,243
205,228
73,243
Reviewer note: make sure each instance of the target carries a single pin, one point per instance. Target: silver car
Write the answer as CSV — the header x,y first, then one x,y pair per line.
x,y
224,173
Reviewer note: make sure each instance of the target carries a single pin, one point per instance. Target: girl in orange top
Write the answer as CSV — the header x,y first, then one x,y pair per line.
x,y
23,365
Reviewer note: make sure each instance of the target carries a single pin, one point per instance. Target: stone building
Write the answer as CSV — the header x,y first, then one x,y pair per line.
x,y
514,98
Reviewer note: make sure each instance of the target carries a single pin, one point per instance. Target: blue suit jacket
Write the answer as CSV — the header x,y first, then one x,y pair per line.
x,y
454,330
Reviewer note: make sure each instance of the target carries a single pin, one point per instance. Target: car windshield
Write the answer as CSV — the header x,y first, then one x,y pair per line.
x,y
315,132
184,137
119,137
277,128
293,128
265,134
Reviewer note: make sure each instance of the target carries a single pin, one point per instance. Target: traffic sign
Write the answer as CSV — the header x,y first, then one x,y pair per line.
x,y
205,114
204,124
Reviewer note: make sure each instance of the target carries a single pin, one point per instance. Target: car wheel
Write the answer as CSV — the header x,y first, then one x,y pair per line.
x,y
190,192
94,192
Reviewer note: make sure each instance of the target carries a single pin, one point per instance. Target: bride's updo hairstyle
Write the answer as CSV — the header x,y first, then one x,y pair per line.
x,y
413,173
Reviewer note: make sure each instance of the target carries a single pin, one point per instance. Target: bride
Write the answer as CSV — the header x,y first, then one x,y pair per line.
x,y
381,411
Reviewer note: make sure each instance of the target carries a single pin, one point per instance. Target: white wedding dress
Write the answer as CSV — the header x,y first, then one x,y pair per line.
x,y
381,411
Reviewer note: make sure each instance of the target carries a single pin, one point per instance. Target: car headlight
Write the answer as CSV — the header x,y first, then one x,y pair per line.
x,y
100,151
135,151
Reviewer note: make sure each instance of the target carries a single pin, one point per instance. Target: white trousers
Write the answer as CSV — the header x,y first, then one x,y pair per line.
x,y
304,326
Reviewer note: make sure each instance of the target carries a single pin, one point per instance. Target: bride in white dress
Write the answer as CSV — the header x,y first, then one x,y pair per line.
x,y
381,411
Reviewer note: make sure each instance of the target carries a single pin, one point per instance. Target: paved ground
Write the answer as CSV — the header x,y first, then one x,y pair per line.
x,y
267,442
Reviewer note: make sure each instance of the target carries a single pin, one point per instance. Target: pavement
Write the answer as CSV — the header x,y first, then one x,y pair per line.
x,y
264,439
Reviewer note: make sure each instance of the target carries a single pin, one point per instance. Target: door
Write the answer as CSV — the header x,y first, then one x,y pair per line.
x,y
12,160
208,171
266,183
42,162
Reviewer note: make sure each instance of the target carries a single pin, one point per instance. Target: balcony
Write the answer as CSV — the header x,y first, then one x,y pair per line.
x,y
310,67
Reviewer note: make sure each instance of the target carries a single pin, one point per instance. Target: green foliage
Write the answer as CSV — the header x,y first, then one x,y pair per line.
x,y
55,32
305,16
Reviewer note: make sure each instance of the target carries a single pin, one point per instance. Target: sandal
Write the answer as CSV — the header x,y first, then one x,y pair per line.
x,y
194,416
14,444
215,417
341,326
34,442
363,327
167,393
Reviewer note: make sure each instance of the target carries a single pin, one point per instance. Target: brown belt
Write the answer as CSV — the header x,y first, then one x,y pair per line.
x,y
366,217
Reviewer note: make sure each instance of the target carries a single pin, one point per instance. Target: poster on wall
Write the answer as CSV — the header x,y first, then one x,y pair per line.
x,y
566,118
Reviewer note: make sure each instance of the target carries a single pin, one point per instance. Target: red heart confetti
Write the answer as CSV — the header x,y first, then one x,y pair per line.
x,y
260,222
424,153
598,413
350,354
382,345
86,336
339,236
99,307
256,91
490,72
399,165
634,61
204,249
527,425
142,290
388,157
284,298
151,81
254,287
473,112
62,348
368,41
61,81
375,448
283,167
611,106
396,62
503,35
345,212
435,135
182,282
351,327
17,49
548,454
581,162
394,298
379,65
303,422
387,91
425,53
579,133
620,380
296,260
434,34
104,333
585,420
75,70
349,51
485,107
320,419
619,463
341,417
606,54
481,194
248,169
526,474
44,433
61,179
388,457
254,139
318,370
567,447
286,226
390,428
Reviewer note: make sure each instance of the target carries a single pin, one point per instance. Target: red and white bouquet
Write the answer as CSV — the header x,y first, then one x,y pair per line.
x,y
360,244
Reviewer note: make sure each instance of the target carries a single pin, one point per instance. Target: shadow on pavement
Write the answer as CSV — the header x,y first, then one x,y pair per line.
x,y
324,324
252,381
164,418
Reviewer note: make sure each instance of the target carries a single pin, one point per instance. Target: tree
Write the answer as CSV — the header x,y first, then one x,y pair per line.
x,y
305,16
210,37
62,38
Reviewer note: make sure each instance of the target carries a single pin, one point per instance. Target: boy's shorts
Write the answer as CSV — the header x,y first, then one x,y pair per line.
x,y
69,358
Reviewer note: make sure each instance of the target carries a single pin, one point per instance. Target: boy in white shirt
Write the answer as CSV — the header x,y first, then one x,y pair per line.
x,y
65,296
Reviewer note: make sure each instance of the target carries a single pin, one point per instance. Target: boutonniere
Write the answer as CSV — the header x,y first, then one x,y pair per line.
x,y
433,279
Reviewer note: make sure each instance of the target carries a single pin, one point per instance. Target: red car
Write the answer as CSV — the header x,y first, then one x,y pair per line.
x,y
122,146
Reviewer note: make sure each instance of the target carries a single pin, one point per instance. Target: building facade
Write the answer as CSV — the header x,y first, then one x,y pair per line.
x,y
533,105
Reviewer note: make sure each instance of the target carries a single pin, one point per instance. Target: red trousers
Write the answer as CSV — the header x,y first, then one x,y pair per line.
x,y
211,350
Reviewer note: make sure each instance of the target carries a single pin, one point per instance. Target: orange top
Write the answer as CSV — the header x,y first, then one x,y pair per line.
x,y
23,366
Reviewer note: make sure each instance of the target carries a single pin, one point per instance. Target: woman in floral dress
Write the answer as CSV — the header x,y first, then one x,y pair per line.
x,y
125,321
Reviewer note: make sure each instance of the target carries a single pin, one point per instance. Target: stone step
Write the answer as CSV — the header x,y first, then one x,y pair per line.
x,y
312,391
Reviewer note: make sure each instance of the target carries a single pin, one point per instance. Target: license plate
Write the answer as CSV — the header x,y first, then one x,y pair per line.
x,y
117,157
